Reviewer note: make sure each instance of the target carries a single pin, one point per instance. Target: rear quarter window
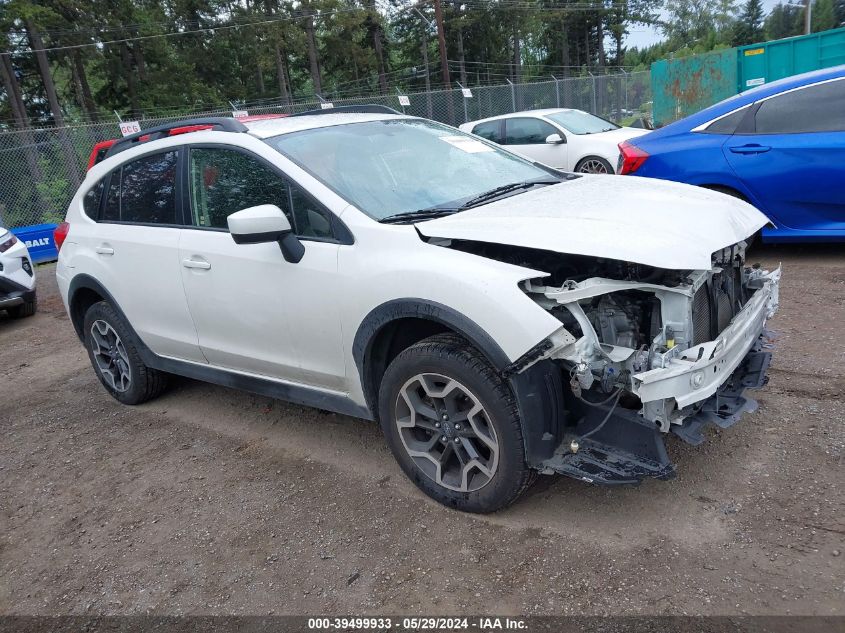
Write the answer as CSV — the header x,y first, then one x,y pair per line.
x,y
491,130
91,201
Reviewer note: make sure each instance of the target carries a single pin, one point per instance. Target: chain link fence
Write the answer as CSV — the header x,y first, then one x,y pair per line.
x,y
40,169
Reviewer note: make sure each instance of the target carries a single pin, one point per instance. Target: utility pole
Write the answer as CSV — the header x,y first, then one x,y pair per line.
x,y
808,10
441,37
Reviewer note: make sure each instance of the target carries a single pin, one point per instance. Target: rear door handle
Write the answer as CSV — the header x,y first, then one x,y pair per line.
x,y
104,250
201,264
751,148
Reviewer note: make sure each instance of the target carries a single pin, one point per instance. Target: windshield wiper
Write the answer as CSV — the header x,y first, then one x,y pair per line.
x,y
419,214
487,196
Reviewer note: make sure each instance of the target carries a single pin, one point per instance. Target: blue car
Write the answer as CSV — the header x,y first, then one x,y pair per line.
x,y
781,147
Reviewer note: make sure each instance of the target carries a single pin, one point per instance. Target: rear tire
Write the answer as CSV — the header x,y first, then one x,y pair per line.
x,y
24,310
464,449
116,360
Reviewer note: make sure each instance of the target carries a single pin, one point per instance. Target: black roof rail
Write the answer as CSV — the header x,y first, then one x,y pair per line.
x,y
367,108
222,123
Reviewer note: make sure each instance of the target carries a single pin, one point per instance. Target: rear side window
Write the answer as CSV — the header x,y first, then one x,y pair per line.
x,y
491,130
91,201
817,108
727,124
527,131
143,191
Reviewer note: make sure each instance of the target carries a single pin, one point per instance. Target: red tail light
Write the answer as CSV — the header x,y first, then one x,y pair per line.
x,y
631,157
59,234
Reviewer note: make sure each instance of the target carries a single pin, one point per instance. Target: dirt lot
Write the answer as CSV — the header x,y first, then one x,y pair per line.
x,y
213,501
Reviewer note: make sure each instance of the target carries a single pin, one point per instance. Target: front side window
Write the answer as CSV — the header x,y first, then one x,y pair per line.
x,y
491,130
224,181
395,166
527,131
143,191
817,108
580,122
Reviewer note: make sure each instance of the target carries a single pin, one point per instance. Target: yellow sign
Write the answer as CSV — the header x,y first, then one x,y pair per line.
x,y
754,51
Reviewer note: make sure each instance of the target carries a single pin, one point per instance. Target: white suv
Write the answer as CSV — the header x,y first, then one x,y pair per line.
x,y
17,277
498,318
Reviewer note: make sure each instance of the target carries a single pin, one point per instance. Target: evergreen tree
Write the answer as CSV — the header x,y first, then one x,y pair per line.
x,y
749,24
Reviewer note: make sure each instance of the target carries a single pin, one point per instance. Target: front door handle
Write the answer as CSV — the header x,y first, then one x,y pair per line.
x,y
200,264
104,250
751,148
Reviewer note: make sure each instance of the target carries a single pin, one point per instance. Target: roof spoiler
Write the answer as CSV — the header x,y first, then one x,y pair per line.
x,y
224,124
367,108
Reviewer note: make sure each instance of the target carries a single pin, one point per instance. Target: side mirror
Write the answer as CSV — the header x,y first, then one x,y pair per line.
x,y
555,139
266,223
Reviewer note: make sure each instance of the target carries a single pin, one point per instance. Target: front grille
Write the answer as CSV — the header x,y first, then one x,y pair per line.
x,y
701,315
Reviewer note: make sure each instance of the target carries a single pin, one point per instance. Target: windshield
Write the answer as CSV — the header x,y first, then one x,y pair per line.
x,y
579,122
399,166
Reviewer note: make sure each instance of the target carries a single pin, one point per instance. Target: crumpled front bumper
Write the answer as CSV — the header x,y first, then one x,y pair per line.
x,y
698,372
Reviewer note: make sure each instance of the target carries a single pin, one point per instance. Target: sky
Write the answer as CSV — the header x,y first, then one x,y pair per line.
x,y
641,35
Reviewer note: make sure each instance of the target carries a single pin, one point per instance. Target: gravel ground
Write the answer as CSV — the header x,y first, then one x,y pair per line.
x,y
212,501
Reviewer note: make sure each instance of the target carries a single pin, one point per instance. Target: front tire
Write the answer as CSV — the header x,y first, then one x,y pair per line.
x,y
452,423
116,360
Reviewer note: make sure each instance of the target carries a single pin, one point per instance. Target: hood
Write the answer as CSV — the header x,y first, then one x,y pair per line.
x,y
642,220
618,135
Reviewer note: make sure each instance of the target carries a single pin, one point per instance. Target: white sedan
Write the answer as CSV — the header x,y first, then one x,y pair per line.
x,y
569,140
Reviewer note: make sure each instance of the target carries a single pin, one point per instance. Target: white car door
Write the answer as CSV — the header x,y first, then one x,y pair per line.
x,y
254,311
527,136
134,250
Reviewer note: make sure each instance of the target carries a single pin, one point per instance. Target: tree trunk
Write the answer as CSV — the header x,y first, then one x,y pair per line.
x,y
517,56
37,44
379,50
564,49
281,75
311,40
87,98
138,55
602,57
259,79
71,159
10,82
424,50
131,84
461,57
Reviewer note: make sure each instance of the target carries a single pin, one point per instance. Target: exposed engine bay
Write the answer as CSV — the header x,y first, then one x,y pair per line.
x,y
656,341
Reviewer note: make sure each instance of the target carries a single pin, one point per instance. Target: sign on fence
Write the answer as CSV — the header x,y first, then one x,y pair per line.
x,y
129,127
467,93
240,114
326,105
404,100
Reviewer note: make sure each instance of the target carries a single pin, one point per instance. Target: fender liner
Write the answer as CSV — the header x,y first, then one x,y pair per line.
x,y
538,389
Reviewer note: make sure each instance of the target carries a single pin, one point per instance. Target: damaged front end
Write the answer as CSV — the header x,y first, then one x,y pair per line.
x,y
642,352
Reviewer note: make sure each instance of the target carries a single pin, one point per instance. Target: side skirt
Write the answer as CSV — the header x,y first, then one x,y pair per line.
x,y
296,394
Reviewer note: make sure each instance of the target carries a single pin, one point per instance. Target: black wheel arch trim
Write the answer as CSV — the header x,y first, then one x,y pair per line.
x,y
297,394
538,389
397,309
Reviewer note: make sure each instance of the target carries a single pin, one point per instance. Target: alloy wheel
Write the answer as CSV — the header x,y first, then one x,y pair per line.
x,y
110,355
447,432
593,166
